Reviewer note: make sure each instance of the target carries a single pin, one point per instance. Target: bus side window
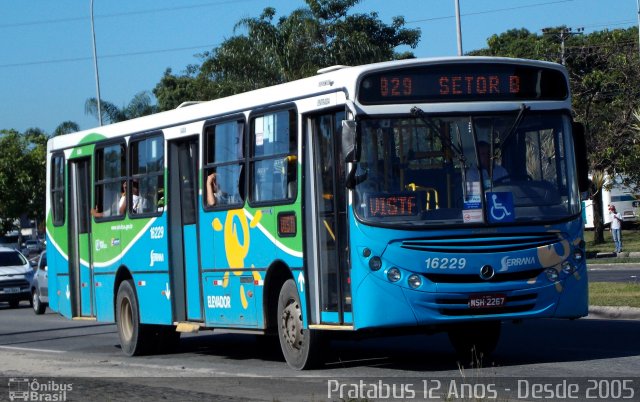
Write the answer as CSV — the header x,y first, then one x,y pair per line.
x,y
273,158
224,165
147,174
110,174
57,189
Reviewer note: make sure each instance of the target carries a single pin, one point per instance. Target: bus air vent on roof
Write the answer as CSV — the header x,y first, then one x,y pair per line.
x,y
332,68
188,103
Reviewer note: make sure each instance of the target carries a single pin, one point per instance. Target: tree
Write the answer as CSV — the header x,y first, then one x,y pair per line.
x,y
271,51
139,106
173,90
514,43
22,176
605,83
66,127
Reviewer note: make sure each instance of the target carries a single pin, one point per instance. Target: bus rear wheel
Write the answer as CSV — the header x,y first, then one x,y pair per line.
x,y
301,347
475,340
133,335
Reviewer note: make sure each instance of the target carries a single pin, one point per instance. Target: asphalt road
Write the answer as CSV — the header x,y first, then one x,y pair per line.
x,y
614,272
225,366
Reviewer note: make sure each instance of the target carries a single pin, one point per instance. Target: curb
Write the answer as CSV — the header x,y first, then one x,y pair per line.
x,y
622,254
614,313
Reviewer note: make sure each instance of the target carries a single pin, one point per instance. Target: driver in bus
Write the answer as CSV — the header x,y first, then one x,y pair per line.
x,y
485,166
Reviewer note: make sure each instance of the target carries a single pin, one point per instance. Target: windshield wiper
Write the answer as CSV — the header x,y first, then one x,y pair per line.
x,y
516,123
419,113
446,142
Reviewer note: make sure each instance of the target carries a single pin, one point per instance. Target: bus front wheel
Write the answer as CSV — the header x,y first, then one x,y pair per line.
x,y
475,340
131,333
301,347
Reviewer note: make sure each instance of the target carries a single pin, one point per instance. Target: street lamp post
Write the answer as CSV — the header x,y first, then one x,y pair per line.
x,y
638,7
459,27
95,66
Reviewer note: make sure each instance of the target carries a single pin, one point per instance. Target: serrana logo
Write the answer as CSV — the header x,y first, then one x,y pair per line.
x,y
508,262
155,257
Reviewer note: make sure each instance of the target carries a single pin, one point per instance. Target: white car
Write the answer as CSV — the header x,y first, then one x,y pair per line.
x,y
16,276
40,286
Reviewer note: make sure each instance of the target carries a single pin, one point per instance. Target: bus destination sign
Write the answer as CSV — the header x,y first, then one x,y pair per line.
x,y
463,82
383,205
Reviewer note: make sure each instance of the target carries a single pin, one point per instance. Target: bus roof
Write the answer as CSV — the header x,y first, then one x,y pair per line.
x,y
329,80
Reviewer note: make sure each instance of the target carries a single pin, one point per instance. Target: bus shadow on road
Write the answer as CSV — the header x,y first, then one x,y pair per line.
x,y
528,343
233,346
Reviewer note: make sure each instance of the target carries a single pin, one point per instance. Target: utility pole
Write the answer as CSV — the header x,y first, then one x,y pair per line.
x,y
459,27
638,27
95,66
563,34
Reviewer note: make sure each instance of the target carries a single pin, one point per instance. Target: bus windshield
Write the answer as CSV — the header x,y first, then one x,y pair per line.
x,y
466,169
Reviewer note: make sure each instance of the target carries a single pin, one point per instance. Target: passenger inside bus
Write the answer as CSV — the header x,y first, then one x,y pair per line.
x,y
215,195
213,190
120,207
139,203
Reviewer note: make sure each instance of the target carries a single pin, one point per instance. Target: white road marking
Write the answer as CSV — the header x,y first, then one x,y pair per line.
x,y
32,349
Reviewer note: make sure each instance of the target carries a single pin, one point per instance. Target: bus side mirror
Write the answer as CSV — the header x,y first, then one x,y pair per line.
x,y
582,164
349,140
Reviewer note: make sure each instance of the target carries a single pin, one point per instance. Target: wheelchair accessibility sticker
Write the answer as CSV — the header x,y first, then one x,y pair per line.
x,y
500,207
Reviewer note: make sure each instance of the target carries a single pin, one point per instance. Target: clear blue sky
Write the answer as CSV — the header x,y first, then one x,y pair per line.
x,y
46,65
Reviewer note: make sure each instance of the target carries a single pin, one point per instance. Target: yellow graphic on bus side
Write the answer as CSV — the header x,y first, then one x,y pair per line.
x,y
235,251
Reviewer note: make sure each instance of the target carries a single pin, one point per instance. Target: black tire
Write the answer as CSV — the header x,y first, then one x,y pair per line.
x,y
475,340
134,337
38,307
301,347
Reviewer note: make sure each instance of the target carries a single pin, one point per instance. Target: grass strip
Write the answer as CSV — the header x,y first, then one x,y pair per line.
x,y
614,294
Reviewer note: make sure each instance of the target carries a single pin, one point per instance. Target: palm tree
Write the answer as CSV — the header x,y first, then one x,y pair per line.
x,y
66,127
139,106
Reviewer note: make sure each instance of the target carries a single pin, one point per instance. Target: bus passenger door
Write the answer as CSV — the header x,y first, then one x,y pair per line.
x,y
185,272
80,288
327,239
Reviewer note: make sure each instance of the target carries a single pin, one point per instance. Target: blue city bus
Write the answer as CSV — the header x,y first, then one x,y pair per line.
x,y
408,196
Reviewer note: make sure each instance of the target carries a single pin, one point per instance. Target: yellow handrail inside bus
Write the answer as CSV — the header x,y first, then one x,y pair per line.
x,y
326,225
429,191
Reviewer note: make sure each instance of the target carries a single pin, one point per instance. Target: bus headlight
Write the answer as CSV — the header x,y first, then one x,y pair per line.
x,y
568,268
578,255
393,274
414,281
375,263
552,275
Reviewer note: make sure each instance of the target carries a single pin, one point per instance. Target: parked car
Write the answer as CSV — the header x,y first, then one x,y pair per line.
x,y
16,276
40,286
32,247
